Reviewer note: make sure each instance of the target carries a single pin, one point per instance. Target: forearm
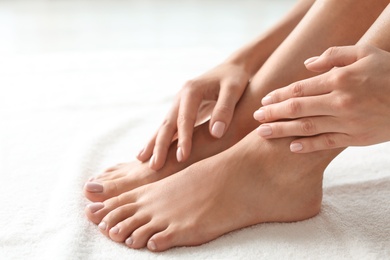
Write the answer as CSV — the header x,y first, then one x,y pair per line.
x,y
254,54
379,33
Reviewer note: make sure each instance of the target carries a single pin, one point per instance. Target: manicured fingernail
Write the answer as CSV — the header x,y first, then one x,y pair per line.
x,y
267,100
310,60
218,129
102,225
179,154
93,207
152,161
151,245
296,147
264,130
141,152
94,187
129,241
114,230
259,115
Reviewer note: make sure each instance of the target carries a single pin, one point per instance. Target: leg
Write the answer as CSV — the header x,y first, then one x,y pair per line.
x,y
328,23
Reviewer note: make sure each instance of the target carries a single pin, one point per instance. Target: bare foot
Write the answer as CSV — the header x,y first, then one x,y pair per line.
x,y
253,182
127,176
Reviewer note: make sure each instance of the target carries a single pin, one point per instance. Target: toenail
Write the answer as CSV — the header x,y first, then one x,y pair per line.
x,y
129,241
102,225
218,129
93,187
264,130
93,207
114,230
151,245
259,115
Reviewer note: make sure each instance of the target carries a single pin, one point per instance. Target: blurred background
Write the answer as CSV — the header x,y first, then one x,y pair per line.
x,y
102,25
94,53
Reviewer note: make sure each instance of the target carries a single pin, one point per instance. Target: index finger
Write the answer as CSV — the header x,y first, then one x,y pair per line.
x,y
308,87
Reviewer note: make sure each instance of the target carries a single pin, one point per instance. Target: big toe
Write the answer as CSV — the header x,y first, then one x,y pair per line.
x,y
100,191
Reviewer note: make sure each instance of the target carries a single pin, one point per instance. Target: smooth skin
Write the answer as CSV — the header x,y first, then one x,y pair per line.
x,y
347,106
216,93
247,183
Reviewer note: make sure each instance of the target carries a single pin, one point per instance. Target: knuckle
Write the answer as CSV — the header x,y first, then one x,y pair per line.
x,y
329,141
332,51
293,108
297,89
308,127
167,124
223,110
343,102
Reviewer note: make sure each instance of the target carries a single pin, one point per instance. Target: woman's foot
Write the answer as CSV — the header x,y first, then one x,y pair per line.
x,y
253,182
127,176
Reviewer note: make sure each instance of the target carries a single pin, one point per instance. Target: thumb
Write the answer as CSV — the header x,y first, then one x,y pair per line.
x,y
333,57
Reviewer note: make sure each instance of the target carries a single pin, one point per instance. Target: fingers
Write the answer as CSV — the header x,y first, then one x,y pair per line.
x,y
224,108
309,87
334,57
157,147
320,142
186,119
295,108
301,127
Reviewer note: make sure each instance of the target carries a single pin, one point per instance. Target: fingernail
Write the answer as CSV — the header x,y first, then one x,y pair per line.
x,y
218,129
151,245
151,162
129,241
91,178
267,100
93,187
93,207
310,60
296,147
141,152
102,225
179,154
264,130
259,115
114,230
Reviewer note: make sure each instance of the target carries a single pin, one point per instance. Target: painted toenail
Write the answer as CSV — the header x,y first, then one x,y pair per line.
x,y
129,241
102,225
93,187
259,115
264,130
93,207
296,147
114,230
179,154
151,245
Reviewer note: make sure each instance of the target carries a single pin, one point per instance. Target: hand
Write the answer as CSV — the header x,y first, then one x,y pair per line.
x,y
223,87
347,106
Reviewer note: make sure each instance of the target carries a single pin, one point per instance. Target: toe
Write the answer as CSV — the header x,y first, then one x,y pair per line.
x,y
97,211
163,240
101,191
141,235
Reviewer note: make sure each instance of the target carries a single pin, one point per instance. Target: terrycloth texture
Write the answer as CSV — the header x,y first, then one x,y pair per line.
x,y
53,138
